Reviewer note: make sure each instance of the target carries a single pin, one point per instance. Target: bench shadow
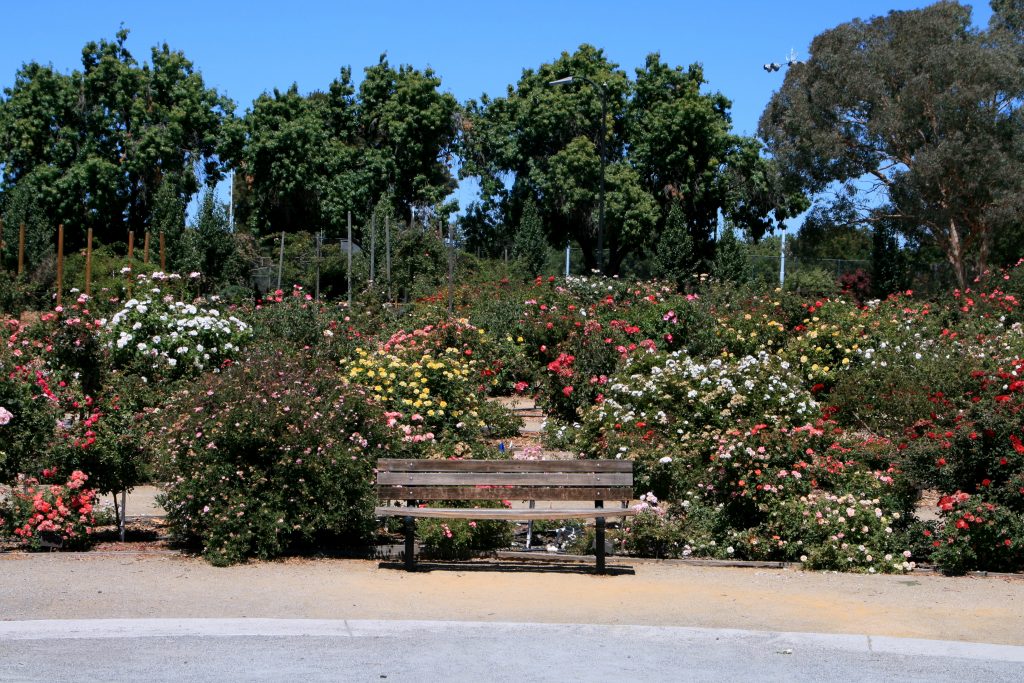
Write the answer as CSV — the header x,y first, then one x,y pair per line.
x,y
509,567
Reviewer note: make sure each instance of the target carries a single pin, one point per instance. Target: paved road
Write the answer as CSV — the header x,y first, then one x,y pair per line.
x,y
365,650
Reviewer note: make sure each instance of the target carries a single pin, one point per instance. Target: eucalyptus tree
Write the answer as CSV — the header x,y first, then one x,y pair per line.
x,y
918,114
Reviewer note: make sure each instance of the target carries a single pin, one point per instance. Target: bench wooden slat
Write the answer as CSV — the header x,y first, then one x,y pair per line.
x,y
407,465
598,481
506,514
398,492
504,479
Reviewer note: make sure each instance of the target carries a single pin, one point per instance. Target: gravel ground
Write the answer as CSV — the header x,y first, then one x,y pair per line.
x,y
125,584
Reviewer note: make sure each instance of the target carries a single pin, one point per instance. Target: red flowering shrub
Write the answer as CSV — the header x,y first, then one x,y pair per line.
x,y
977,534
50,515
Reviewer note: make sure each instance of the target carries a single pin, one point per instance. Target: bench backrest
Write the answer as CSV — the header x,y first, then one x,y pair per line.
x,y
504,479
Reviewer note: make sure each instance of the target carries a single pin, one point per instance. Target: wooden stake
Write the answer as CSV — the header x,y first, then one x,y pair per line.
x,y
280,261
88,263
145,248
163,254
21,248
373,246
131,246
60,261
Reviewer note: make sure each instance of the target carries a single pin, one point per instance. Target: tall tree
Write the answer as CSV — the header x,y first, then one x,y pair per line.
x,y
926,107
94,146
310,159
674,257
665,141
530,248
731,262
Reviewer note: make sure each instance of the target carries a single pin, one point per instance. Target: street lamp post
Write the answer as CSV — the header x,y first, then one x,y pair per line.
x,y
601,151
770,68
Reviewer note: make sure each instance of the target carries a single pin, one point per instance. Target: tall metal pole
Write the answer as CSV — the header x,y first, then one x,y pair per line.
x,y
88,263
231,201
567,254
350,260
782,259
600,211
319,237
451,266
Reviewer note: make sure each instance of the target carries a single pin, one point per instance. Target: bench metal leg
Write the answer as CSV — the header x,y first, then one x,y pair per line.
x,y
599,539
410,542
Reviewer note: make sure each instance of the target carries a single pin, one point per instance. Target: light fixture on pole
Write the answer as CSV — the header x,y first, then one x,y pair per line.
x,y
791,60
601,151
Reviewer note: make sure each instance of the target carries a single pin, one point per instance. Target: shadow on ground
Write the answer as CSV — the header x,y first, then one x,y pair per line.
x,y
507,567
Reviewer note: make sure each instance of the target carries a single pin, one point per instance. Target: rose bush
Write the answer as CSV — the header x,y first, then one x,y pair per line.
x,y
50,512
266,459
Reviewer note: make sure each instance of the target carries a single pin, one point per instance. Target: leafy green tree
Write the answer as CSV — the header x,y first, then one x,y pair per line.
x,y
888,262
484,233
211,242
530,247
833,230
925,106
411,125
300,160
731,263
309,160
665,141
169,220
673,258
94,146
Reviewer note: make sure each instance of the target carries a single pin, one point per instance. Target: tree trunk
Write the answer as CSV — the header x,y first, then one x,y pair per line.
x,y
955,255
615,258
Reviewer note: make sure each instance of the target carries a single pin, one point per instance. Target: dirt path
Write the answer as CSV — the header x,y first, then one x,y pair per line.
x,y
126,585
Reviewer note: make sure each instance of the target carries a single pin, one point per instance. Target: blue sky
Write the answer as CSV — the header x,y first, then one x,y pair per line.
x,y
244,49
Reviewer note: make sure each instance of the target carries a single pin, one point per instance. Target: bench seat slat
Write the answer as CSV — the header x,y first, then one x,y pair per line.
x,y
504,493
508,514
503,479
408,465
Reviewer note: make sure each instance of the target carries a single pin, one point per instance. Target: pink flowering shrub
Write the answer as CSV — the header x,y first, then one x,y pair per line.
x,y
57,514
266,459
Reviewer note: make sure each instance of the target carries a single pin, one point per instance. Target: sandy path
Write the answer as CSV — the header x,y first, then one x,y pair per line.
x,y
126,585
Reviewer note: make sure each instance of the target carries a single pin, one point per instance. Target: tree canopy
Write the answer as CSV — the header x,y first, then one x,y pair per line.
x,y
309,159
665,142
918,114
91,149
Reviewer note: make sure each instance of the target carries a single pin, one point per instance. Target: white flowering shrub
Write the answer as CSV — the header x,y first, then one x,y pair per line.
x,y
672,399
172,338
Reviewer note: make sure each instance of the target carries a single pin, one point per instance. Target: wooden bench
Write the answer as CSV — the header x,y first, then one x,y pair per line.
x,y
561,481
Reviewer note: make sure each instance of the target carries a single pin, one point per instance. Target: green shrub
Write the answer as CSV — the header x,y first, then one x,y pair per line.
x,y
462,538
